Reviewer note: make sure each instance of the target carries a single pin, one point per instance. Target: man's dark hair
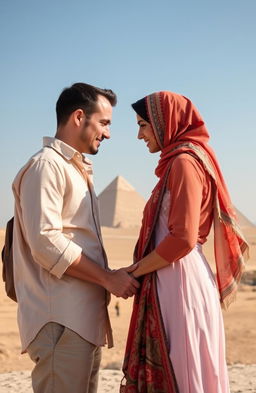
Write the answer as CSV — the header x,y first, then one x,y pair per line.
x,y
80,95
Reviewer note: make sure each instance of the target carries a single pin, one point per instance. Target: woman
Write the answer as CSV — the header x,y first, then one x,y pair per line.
x,y
176,338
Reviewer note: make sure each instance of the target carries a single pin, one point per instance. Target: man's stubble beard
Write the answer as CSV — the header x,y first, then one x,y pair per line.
x,y
92,150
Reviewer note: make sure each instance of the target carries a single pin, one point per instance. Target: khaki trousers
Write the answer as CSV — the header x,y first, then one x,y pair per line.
x,y
64,362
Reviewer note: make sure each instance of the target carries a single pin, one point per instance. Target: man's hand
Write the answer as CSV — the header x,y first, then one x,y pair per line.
x,y
119,282
122,284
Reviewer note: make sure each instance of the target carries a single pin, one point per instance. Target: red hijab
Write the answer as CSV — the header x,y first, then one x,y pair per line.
x,y
178,128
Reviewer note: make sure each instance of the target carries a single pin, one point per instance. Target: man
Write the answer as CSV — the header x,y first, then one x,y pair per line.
x,y
61,275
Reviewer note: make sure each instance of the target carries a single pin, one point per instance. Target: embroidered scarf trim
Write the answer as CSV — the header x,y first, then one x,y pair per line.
x,y
147,366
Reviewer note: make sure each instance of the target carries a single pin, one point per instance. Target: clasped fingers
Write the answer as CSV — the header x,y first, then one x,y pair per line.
x,y
121,284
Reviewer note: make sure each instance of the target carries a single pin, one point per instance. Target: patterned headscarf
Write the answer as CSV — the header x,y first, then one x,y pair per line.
x,y
178,128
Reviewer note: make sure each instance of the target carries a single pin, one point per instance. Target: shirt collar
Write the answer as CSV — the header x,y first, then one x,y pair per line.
x,y
67,151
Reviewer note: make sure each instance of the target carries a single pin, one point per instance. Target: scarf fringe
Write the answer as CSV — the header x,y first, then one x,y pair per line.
x,y
231,296
228,300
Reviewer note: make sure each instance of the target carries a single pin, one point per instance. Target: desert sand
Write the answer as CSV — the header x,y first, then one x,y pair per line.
x,y
239,325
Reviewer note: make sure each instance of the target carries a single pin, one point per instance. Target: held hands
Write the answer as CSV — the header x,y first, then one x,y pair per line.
x,y
121,282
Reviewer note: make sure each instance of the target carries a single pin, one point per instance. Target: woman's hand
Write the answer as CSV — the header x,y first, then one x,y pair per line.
x,y
148,264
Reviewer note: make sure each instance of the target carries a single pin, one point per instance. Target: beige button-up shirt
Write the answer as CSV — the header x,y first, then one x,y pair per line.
x,y
56,219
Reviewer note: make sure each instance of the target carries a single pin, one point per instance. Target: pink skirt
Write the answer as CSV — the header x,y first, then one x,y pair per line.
x,y
193,324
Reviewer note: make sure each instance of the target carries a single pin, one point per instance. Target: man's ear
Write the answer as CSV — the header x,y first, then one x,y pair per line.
x,y
78,116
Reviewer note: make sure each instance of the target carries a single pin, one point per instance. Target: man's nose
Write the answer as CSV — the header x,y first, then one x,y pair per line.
x,y
106,133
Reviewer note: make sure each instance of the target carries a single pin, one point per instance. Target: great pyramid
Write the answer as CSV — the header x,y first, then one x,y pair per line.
x,y
120,205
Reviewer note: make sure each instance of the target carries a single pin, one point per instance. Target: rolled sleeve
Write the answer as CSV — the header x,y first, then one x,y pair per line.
x,y
41,196
71,253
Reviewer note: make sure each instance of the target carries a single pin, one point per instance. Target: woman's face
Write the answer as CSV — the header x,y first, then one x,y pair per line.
x,y
147,134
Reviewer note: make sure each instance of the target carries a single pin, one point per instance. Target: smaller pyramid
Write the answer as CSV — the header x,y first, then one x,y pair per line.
x,y
243,220
120,205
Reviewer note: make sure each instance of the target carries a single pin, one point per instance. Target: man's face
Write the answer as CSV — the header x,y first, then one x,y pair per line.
x,y
96,127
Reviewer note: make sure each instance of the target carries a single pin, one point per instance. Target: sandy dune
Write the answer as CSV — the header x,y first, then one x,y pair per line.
x,y
239,323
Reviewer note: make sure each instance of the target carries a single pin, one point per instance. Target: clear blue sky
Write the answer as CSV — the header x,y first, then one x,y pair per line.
x,y
202,49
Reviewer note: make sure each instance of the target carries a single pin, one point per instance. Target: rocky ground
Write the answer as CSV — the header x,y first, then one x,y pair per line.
x,y
242,380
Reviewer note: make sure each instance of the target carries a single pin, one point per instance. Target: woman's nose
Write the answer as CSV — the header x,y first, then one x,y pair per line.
x,y
140,134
